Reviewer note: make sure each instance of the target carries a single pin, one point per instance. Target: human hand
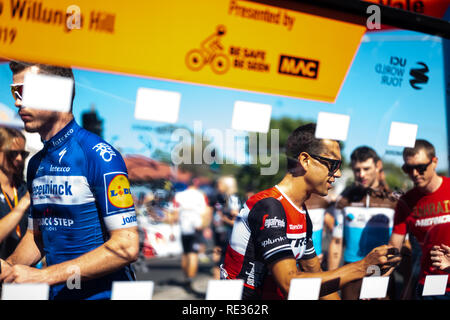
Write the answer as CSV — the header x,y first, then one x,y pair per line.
x,y
440,256
22,274
384,258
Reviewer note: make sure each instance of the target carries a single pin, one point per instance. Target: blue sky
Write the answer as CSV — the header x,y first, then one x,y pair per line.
x,y
371,105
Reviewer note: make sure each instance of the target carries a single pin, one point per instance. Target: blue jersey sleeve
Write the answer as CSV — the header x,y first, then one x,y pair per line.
x,y
33,167
107,175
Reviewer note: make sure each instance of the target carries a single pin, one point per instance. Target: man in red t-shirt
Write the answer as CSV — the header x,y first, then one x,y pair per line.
x,y
424,210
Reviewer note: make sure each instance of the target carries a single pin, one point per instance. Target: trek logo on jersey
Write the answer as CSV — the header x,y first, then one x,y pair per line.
x,y
118,191
105,151
272,223
298,242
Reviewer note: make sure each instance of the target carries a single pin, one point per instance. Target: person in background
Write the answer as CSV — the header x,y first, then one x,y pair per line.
x,y
364,214
424,211
226,208
190,210
14,197
322,221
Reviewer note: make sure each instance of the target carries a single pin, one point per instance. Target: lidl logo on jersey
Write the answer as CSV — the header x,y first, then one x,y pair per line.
x,y
118,191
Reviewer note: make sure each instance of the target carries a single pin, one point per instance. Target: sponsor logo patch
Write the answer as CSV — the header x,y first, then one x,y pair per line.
x,y
272,223
105,151
118,192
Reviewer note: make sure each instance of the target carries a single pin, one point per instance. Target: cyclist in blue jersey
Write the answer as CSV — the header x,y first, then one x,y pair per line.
x,y
364,215
82,213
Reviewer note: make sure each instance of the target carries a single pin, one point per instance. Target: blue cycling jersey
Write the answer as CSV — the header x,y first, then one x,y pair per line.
x,y
79,192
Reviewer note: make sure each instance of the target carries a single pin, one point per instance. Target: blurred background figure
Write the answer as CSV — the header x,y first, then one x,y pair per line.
x,y
364,213
14,198
226,207
323,223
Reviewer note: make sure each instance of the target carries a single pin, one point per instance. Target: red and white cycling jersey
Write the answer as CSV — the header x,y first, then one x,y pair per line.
x,y
270,227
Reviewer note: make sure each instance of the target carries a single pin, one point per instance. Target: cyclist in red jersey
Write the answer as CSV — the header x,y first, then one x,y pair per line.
x,y
424,210
272,233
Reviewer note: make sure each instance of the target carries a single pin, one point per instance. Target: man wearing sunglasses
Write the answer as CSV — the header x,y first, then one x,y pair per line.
x,y
271,241
364,213
82,213
14,198
424,210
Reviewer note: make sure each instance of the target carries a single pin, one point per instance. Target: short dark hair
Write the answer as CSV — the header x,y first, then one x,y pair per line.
x,y
364,153
19,66
302,139
420,144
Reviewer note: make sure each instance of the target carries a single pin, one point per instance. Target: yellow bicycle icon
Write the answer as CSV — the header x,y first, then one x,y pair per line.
x,y
210,52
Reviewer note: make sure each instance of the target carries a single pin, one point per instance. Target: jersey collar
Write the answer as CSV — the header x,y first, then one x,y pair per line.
x,y
290,201
62,136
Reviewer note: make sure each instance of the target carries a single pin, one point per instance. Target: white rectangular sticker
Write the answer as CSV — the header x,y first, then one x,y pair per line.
x,y
25,291
374,287
332,126
305,289
132,290
157,105
402,134
251,116
45,92
224,289
435,285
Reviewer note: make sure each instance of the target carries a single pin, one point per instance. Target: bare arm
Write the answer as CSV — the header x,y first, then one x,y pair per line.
x,y
12,219
120,250
29,250
397,240
313,266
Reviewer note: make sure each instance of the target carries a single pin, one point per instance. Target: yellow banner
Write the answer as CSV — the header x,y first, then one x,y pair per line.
x,y
225,43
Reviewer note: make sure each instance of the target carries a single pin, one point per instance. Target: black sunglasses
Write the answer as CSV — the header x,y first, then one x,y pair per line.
x,y
421,168
12,154
333,165
17,90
